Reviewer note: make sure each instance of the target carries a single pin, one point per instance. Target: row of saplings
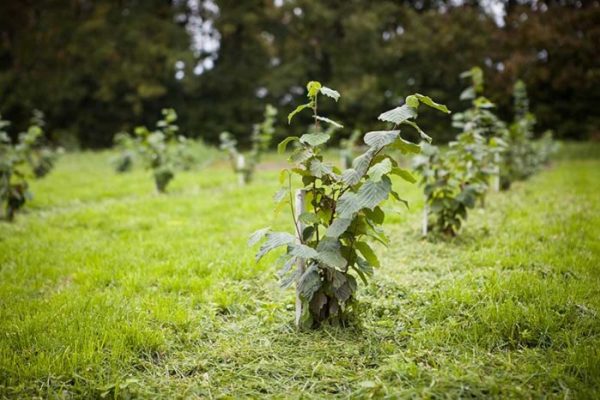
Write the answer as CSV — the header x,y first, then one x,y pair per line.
x,y
337,212
165,152
29,158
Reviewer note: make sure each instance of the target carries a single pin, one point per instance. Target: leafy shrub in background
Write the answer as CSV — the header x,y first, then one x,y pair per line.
x,y
337,211
160,149
262,134
545,147
34,148
448,187
482,134
28,158
13,185
520,159
126,146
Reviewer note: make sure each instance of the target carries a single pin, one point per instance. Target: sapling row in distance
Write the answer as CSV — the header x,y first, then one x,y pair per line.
x,y
337,213
485,152
524,156
262,135
29,158
162,150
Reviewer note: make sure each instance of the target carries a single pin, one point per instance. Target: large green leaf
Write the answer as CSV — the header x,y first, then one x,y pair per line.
x,y
319,169
369,195
351,177
338,227
334,94
361,163
330,254
429,102
379,139
378,170
315,139
301,155
398,114
302,251
274,240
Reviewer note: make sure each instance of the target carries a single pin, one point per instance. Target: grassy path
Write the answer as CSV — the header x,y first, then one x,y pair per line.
x,y
109,290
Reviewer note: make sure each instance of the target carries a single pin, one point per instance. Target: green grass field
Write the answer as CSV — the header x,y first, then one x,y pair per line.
x,y
110,290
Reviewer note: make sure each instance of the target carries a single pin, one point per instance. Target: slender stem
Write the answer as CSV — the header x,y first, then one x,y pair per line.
x,y
292,209
314,190
315,115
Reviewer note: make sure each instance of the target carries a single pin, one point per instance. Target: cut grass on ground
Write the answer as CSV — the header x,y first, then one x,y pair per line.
x,y
109,290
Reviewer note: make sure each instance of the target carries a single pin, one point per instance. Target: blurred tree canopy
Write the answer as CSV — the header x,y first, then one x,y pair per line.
x,y
97,67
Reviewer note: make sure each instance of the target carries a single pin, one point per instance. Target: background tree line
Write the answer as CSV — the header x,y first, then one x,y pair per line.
x,y
98,67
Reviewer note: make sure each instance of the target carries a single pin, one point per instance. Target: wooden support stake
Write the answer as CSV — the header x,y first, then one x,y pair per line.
x,y
299,209
496,182
425,217
240,164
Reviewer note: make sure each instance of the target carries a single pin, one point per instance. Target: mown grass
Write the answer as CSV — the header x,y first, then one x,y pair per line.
x,y
109,290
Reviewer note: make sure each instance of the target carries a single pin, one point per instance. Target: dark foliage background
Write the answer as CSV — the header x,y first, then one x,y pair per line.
x,y
97,67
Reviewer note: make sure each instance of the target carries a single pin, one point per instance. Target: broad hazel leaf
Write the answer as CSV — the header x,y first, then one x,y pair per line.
x,y
398,114
309,283
368,253
281,147
334,94
361,163
429,102
372,193
315,139
275,240
257,236
319,169
297,110
338,227
347,205
380,169
351,177
379,139
330,253
313,88
301,155
406,147
330,121
404,174
369,195
303,251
